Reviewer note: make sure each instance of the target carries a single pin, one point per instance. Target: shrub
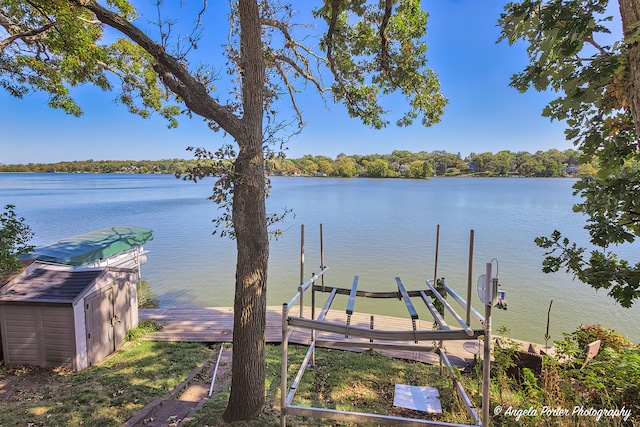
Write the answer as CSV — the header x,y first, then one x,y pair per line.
x,y
146,299
144,328
586,334
612,378
14,235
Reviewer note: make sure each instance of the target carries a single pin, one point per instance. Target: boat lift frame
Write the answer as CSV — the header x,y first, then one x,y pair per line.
x,y
382,339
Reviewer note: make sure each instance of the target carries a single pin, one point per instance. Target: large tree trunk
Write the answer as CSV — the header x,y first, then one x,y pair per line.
x,y
630,13
249,221
249,322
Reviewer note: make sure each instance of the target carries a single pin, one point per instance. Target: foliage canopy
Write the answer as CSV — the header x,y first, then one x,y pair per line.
x,y
14,238
572,52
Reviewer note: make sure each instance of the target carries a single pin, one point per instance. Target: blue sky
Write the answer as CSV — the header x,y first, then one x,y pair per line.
x,y
484,113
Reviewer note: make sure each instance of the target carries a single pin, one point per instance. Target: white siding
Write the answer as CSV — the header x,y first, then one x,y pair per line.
x,y
19,335
133,302
81,359
36,335
59,339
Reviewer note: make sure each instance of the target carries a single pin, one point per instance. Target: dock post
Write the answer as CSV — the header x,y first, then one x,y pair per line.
x,y
486,362
371,328
313,331
435,283
469,277
435,268
321,257
313,300
283,366
301,292
301,254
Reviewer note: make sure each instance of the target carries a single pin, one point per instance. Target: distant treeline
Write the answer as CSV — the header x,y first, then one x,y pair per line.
x,y
170,166
398,164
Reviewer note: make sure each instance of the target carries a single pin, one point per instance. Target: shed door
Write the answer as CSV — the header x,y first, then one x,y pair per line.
x,y
99,313
122,317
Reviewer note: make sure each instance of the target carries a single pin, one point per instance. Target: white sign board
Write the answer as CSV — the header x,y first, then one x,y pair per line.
x,y
419,398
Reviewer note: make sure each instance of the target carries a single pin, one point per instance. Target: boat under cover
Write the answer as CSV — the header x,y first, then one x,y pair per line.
x,y
118,245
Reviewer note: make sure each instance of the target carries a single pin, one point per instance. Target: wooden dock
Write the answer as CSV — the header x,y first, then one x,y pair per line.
x,y
215,325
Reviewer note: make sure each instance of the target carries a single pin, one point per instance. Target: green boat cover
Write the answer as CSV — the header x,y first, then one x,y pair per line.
x,y
93,246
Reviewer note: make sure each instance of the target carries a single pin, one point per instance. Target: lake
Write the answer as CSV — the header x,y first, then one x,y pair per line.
x,y
376,229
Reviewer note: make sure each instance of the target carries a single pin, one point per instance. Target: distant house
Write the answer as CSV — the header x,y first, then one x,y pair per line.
x,y
571,169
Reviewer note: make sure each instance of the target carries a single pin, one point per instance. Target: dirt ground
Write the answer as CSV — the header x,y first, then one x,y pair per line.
x,y
24,383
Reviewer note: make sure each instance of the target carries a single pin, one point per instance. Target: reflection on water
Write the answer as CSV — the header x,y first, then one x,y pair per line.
x,y
376,229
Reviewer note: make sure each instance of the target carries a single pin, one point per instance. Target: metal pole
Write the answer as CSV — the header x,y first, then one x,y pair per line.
x,y
371,327
283,367
321,256
138,263
302,254
313,300
435,279
313,331
435,269
469,277
215,370
301,292
486,362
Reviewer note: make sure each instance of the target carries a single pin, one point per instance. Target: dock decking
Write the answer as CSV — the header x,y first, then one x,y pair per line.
x,y
215,325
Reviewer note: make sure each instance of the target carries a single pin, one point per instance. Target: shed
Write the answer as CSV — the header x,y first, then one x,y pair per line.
x,y
6,277
60,316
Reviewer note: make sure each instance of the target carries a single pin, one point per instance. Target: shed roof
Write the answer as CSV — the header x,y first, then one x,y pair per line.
x,y
93,246
6,276
50,285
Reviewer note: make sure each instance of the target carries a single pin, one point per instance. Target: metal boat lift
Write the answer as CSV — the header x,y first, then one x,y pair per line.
x,y
385,339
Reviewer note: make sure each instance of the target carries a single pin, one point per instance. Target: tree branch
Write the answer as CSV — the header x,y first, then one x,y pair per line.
x,y
305,74
123,76
279,25
291,89
296,47
26,36
384,41
335,10
194,94
291,42
593,43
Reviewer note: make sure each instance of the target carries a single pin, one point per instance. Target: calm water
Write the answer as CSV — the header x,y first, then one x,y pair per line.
x,y
376,229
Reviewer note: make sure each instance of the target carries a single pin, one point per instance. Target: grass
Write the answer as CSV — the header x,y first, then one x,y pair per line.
x,y
341,380
365,383
111,393
103,395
